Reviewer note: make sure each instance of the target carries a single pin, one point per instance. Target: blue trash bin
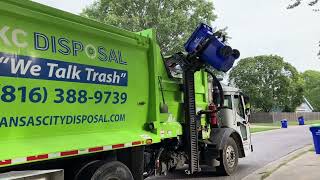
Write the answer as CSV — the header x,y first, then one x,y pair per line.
x,y
214,51
301,120
316,137
284,123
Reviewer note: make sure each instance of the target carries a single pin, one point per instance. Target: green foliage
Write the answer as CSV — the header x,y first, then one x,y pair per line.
x,y
174,20
297,3
271,83
312,88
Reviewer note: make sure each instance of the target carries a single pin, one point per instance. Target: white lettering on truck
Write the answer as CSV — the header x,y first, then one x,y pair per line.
x,y
15,34
23,67
36,68
103,77
65,73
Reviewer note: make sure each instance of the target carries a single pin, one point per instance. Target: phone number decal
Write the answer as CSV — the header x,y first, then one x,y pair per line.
x,y
9,94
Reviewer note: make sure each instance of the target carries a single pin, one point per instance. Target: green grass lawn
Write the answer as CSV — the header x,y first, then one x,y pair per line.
x,y
312,122
292,123
309,122
259,127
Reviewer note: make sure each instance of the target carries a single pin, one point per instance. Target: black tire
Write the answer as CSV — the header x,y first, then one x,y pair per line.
x,y
229,157
102,170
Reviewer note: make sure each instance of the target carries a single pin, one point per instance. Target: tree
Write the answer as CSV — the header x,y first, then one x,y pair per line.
x,y
174,20
271,83
299,2
312,88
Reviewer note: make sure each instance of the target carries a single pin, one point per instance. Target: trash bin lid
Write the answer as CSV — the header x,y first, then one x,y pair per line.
x,y
315,127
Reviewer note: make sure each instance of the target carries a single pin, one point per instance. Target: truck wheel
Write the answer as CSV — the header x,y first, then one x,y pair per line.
x,y
228,158
102,170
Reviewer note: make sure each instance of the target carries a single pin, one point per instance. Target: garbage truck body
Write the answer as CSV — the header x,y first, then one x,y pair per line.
x,y
91,99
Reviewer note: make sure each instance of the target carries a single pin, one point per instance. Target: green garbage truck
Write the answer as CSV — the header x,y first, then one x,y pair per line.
x,y
101,102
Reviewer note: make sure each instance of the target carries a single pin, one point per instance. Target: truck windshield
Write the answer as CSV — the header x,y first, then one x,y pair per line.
x,y
239,106
227,101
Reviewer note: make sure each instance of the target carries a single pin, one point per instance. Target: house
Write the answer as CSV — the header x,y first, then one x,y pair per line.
x,y
305,106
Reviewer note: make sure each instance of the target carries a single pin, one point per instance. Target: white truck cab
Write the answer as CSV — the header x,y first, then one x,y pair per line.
x,y
230,136
236,115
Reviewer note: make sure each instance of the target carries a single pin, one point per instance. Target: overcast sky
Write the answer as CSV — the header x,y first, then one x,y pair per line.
x,y
257,27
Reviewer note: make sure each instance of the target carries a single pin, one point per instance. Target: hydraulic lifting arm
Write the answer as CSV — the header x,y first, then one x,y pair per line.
x,y
204,48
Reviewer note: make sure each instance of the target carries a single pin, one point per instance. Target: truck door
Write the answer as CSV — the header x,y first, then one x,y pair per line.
x,y
242,123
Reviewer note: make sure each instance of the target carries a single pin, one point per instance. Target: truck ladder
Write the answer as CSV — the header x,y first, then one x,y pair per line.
x,y
191,122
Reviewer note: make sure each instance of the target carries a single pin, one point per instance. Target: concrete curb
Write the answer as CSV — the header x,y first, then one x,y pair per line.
x,y
263,172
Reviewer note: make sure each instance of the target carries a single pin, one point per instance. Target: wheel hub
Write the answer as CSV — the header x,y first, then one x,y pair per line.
x,y
230,156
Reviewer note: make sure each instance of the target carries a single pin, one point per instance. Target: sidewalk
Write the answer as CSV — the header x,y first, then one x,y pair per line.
x,y
302,164
305,167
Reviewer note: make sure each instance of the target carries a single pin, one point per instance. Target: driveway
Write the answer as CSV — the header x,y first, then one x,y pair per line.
x,y
268,146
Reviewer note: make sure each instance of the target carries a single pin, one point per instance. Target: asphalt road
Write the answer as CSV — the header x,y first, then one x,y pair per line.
x,y
268,146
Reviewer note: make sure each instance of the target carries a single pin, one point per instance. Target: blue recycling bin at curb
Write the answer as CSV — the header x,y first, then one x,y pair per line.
x,y
315,130
301,120
284,123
